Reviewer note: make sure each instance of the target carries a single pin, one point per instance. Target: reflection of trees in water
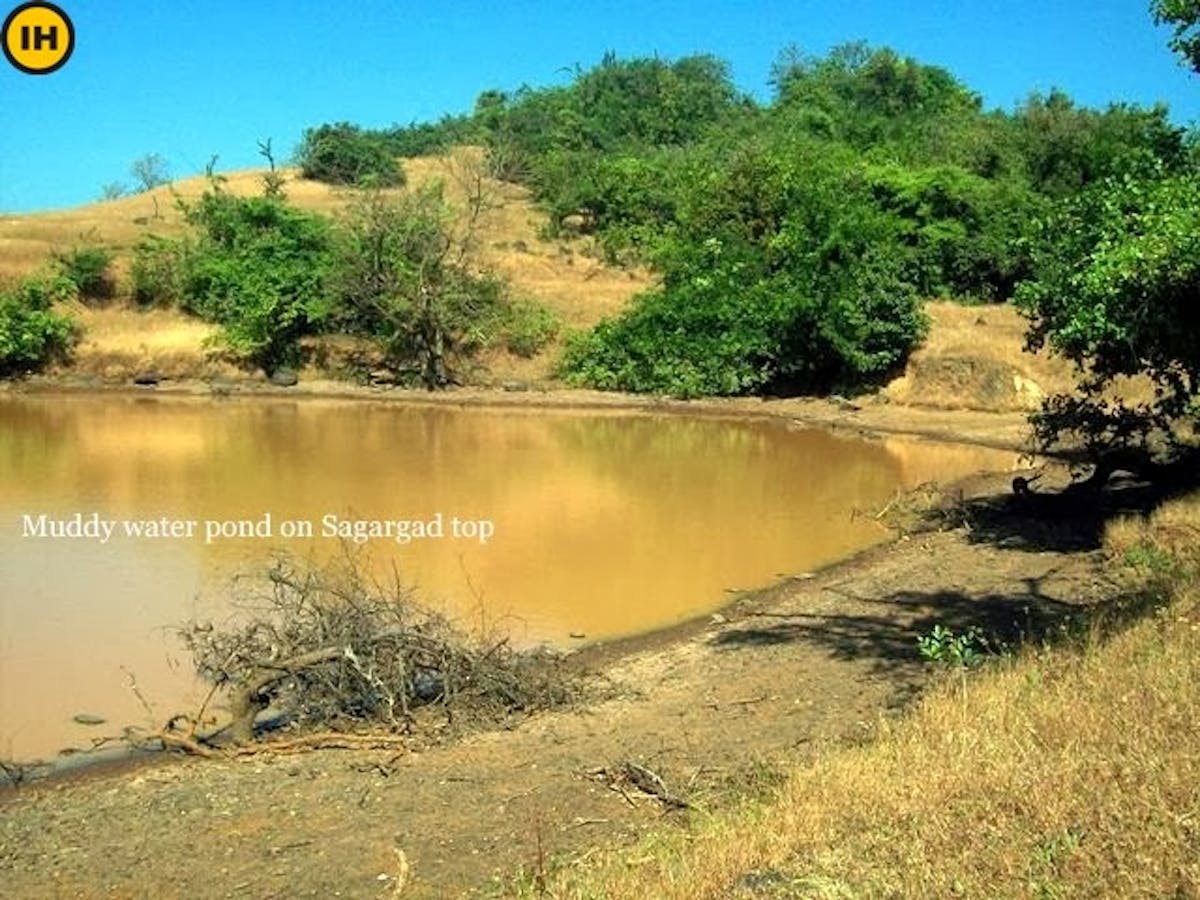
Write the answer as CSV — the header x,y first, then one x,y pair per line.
x,y
922,461
764,463
215,458
34,435
566,475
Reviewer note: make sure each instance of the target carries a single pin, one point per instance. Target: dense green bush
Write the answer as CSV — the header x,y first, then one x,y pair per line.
x,y
561,139
346,154
527,327
731,331
87,267
1065,148
156,272
31,333
960,234
428,138
776,276
870,98
255,265
555,137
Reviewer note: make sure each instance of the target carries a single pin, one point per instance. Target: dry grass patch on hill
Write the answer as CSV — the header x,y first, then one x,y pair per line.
x,y
120,342
974,358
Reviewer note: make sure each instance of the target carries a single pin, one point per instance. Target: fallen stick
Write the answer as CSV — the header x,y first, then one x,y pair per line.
x,y
174,740
650,782
580,823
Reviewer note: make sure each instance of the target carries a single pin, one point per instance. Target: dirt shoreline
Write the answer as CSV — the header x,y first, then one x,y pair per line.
x,y
871,415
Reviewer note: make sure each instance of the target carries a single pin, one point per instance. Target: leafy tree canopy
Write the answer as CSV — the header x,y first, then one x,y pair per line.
x,y
1116,289
1184,15
346,154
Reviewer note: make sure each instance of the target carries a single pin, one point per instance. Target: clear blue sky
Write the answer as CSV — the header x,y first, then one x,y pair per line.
x,y
187,79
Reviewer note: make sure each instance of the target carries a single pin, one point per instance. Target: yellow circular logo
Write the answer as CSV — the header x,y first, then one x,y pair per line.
x,y
38,38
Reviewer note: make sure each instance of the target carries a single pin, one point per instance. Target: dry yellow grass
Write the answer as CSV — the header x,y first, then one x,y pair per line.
x,y
118,341
1070,772
973,359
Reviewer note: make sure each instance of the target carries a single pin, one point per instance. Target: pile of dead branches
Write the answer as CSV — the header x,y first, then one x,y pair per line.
x,y
328,647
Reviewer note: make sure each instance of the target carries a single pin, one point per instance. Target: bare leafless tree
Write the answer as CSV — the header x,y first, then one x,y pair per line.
x,y
149,171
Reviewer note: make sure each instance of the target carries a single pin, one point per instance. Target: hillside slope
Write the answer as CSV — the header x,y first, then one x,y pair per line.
x,y
972,359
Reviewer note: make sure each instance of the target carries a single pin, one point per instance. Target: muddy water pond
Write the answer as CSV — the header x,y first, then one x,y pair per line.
x,y
121,517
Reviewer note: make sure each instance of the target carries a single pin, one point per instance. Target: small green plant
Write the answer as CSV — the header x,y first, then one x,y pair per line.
x,y
87,268
1151,559
1048,864
954,651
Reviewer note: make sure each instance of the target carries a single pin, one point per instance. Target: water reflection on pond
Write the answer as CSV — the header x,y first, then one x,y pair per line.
x,y
605,523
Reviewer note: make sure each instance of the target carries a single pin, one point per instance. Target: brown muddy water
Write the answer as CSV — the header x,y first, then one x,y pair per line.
x,y
549,524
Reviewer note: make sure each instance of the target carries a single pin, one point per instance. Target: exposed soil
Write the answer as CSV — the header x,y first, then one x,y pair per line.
x,y
709,707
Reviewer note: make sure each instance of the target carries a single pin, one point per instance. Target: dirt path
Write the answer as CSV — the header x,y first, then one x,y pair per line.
x,y
782,671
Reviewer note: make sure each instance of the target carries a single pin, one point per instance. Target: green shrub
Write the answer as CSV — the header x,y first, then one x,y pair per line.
x,y
712,338
346,154
87,268
406,280
777,277
255,265
155,271
31,333
528,327
429,138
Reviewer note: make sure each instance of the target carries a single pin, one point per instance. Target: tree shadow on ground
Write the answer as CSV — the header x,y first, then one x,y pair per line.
x,y
1067,521
885,633
885,630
